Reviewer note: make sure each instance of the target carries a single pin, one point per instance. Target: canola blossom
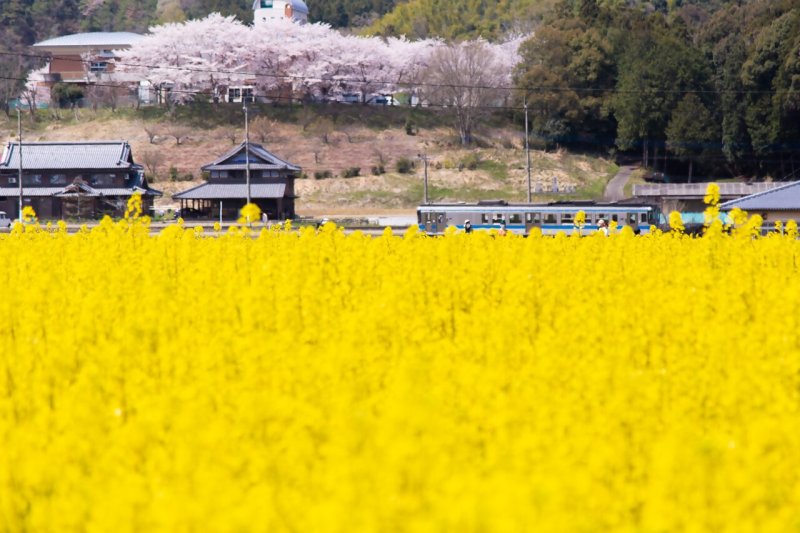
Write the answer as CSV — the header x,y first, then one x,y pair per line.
x,y
308,380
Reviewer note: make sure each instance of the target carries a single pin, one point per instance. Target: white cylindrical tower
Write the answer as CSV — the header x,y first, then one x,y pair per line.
x,y
266,10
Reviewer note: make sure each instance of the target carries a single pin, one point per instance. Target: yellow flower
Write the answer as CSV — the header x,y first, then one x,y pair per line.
x,y
712,195
791,229
329,381
28,214
134,207
676,222
249,214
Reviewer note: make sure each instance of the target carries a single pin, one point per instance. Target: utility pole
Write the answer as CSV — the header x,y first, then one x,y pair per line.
x,y
424,158
19,178
527,151
246,148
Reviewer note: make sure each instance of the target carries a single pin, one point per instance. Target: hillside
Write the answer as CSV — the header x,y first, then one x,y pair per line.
x,y
495,169
458,19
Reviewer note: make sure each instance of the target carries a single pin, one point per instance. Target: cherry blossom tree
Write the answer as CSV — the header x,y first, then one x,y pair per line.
x,y
283,59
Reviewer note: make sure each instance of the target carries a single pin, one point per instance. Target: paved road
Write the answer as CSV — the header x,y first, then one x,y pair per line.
x,y
616,187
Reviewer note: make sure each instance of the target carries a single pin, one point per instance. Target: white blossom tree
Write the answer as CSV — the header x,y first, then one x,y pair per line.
x,y
467,77
311,60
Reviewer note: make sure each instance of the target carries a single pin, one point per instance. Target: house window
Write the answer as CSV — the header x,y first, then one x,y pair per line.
x,y
58,179
219,173
240,94
102,179
32,179
98,66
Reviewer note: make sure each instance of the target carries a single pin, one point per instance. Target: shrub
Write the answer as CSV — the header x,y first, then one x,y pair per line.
x,y
377,170
405,165
351,172
470,161
322,174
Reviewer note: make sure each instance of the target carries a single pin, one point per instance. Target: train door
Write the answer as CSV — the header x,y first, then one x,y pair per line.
x,y
434,222
532,220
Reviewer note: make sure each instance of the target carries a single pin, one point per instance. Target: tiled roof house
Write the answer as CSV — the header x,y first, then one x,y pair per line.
x,y
86,179
225,191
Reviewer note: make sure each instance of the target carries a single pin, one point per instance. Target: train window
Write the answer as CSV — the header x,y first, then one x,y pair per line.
x,y
601,215
566,218
498,218
589,219
528,217
550,218
631,218
642,217
484,218
514,218
615,217
537,218
439,219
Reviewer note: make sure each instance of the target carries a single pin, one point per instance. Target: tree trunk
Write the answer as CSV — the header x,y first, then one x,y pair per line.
x,y
655,156
644,153
691,163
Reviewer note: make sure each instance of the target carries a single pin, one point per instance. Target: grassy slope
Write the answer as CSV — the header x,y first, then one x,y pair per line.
x,y
360,137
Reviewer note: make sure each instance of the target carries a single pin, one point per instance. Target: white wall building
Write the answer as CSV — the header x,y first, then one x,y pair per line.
x,y
266,10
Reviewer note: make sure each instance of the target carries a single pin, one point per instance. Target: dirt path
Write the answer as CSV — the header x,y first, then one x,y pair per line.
x,y
615,190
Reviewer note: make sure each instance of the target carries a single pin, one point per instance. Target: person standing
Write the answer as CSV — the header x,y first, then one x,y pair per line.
x,y
602,227
467,226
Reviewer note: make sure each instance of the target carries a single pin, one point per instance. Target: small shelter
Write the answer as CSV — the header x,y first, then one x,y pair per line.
x,y
225,191
779,204
86,179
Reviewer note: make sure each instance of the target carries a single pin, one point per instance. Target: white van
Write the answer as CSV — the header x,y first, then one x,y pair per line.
x,y
5,222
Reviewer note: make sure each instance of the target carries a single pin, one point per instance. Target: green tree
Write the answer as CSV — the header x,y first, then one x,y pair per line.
x,y
567,73
691,130
655,68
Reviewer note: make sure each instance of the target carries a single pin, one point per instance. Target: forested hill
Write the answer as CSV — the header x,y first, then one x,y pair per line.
x,y
453,19
492,19
717,89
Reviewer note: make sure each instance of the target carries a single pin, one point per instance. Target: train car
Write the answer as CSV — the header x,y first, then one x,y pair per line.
x,y
550,218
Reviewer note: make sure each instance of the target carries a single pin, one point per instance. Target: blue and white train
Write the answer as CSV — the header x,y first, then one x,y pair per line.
x,y
550,218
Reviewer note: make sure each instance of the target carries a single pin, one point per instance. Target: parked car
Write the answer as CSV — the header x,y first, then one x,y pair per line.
x,y
381,99
5,222
350,98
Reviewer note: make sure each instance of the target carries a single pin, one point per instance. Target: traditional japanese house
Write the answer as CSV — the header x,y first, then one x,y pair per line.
x,y
72,180
225,190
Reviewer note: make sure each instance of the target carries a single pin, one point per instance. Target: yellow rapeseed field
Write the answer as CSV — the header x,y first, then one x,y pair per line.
x,y
312,381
